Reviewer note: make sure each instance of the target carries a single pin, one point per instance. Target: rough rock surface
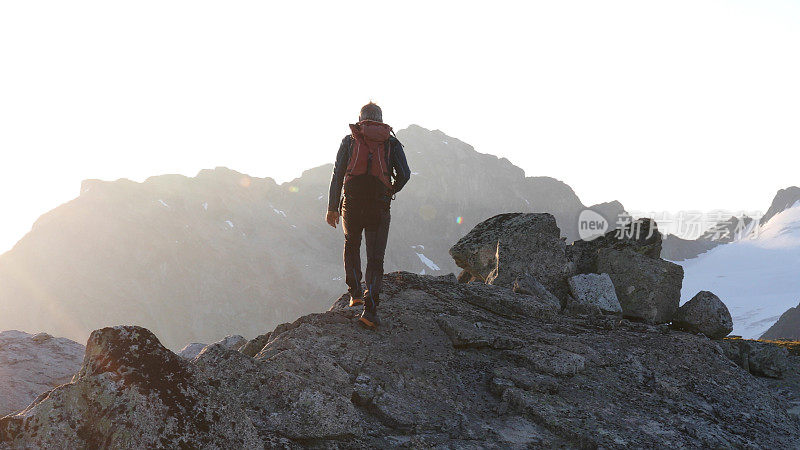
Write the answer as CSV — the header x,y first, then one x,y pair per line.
x,y
32,364
131,392
595,290
504,247
759,358
648,289
704,313
529,285
453,366
465,277
787,326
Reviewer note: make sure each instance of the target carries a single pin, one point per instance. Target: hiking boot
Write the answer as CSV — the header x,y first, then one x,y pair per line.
x,y
355,301
369,319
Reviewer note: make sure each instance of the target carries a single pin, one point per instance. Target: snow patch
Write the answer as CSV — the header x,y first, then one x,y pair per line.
x,y
205,206
425,260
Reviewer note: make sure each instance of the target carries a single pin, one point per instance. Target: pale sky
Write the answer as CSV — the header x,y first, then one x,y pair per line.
x,y
663,105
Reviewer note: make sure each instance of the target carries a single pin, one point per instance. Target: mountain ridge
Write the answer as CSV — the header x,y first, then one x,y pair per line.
x,y
187,256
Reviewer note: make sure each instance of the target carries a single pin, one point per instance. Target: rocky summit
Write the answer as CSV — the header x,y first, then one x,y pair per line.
x,y
489,359
454,365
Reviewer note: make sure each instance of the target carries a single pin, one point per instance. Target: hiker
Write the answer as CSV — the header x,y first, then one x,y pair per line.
x,y
372,167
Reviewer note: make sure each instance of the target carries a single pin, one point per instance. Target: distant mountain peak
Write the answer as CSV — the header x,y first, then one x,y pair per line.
x,y
784,199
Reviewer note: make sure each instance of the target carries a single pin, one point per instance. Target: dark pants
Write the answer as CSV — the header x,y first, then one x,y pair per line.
x,y
371,217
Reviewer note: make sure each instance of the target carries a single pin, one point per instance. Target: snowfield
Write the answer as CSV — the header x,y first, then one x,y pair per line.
x,y
758,277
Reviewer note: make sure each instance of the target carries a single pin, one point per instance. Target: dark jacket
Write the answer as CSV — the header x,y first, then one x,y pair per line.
x,y
398,167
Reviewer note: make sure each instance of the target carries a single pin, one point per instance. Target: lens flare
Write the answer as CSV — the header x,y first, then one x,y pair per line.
x,y
459,219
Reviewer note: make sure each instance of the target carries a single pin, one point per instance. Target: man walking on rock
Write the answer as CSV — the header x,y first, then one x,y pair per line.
x,y
371,167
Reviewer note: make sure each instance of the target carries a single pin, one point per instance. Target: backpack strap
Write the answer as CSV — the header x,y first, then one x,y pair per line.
x,y
388,147
350,159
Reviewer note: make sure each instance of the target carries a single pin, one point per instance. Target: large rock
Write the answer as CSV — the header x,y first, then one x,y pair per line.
x,y
704,313
507,246
595,290
787,327
759,358
453,365
648,289
32,364
131,392
641,236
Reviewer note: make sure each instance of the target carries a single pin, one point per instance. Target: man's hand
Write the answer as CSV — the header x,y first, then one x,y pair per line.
x,y
332,217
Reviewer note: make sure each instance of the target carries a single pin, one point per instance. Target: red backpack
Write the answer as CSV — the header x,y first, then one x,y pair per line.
x,y
370,151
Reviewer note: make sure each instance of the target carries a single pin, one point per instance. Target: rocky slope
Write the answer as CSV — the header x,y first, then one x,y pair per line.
x,y
32,364
787,327
464,365
191,258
